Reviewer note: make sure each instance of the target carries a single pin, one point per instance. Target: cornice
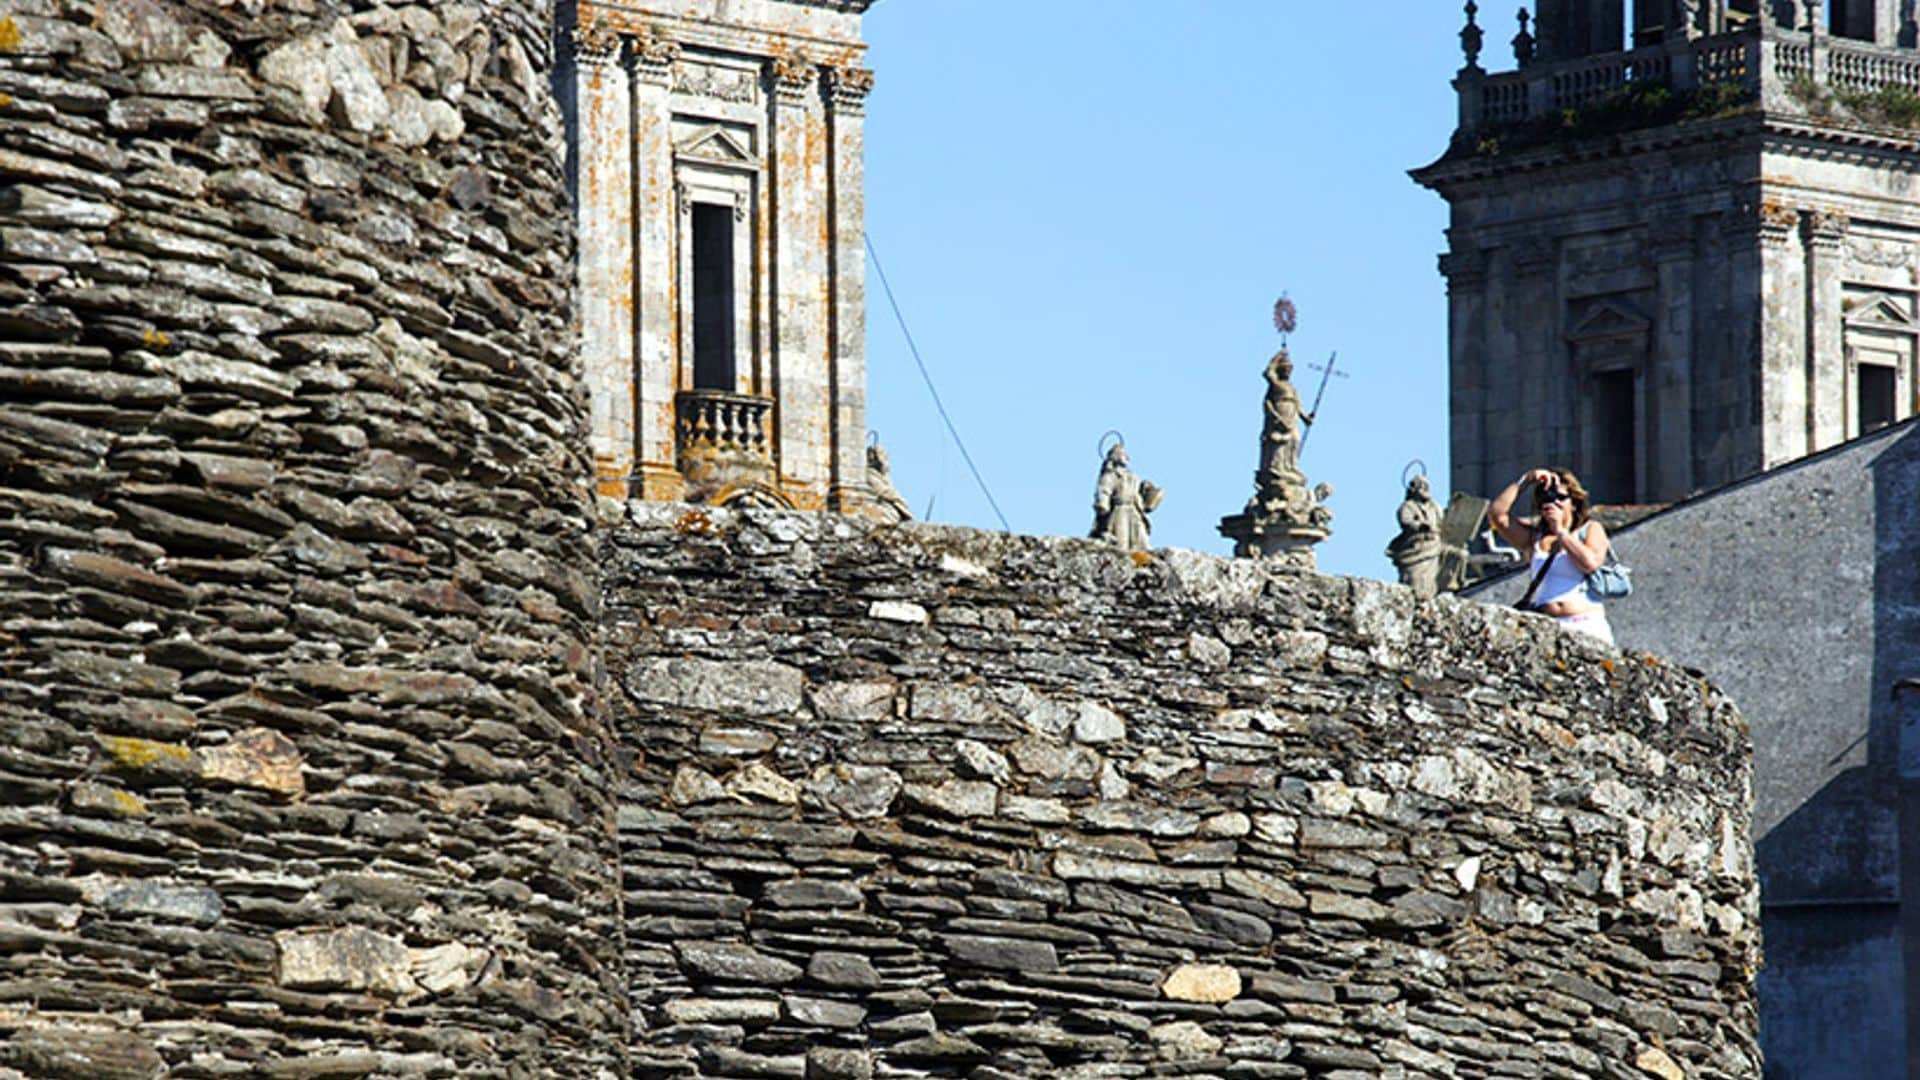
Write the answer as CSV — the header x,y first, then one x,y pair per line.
x,y
1827,140
1450,170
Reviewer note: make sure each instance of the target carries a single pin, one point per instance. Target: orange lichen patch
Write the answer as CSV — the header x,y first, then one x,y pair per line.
x,y
5,100
1141,558
156,339
1608,665
9,34
694,523
611,486
135,754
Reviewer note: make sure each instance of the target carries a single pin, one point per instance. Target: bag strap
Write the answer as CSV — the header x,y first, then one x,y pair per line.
x,y
1527,600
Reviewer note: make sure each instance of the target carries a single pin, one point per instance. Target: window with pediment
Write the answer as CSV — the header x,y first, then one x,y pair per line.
x,y
1609,339
1881,331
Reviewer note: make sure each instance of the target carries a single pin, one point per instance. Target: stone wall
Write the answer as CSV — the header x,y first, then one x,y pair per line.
x,y
1798,589
931,802
301,774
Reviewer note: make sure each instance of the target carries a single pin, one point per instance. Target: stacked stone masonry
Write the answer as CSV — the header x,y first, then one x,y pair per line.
x,y
301,774
929,802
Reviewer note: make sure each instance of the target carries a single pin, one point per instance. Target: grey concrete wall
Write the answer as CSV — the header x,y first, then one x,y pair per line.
x,y
1799,591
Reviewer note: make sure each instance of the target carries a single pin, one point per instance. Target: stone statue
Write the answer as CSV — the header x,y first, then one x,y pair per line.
x,y
1285,517
1280,457
1122,502
889,506
1416,551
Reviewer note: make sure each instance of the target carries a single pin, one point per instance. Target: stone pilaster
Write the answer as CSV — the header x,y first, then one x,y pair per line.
x,y
1766,262
1465,269
848,88
603,210
1538,396
1825,234
802,334
656,372
1669,443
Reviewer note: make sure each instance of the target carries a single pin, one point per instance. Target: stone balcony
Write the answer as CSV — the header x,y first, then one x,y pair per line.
x,y
722,443
1784,72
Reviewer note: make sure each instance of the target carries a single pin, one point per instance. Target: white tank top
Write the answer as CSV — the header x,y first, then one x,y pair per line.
x,y
1563,582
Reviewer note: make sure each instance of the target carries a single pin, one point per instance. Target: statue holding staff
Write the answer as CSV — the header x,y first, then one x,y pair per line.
x,y
1122,502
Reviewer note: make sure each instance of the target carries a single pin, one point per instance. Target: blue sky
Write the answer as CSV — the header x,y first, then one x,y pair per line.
x,y
1087,209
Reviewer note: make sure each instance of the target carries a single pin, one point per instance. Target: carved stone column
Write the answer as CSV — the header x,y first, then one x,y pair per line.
x,y
1465,269
1825,233
604,214
846,118
1669,443
654,228
802,334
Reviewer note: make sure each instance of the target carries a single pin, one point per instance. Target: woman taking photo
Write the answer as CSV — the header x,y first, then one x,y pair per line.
x,y
1564,545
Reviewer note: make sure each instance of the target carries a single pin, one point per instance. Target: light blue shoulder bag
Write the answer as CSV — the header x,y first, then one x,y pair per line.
x,y
1612,580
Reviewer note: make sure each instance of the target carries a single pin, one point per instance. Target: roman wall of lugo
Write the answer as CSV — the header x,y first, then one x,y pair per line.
x,y
346,735
302,774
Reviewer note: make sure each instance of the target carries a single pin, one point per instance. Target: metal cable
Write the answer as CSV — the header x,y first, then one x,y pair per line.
x,y
939,405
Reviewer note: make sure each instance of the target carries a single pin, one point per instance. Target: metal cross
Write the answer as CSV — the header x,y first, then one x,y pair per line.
x,y
1327,373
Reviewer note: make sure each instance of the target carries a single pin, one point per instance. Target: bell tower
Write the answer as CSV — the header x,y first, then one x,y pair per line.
x,y
716,163
1685,243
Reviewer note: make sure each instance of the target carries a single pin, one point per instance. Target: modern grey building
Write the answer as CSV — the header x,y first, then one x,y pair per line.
x,y
1684,240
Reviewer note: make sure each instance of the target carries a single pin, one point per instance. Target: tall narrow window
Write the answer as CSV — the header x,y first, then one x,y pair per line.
x,y
713,298
1851,19
1611,476
1876,396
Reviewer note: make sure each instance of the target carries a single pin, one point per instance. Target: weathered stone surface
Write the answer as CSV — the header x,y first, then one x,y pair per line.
x,y
1248,875
748,688
1210,984
352,959
169,903
728,962
843,971
256,758
1184,1039
293,583
76,1052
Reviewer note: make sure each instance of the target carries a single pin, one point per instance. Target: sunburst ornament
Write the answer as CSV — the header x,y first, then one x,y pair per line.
x,y
1285,316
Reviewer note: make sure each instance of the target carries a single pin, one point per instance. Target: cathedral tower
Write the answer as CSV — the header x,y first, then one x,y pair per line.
x,y
716,151
1683,244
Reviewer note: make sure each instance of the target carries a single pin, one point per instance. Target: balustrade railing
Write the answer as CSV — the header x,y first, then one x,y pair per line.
x,y
1767,62
1571,84
1866,69
715,420
1792,60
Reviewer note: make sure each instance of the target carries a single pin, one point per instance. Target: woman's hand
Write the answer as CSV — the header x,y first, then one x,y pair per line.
x,y
1543,477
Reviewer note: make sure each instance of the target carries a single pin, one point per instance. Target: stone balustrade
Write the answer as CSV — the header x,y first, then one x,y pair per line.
x,y
716,420
1769,64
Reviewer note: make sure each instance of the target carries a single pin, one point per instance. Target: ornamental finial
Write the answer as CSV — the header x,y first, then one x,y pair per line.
x,y
1523,42
1471,37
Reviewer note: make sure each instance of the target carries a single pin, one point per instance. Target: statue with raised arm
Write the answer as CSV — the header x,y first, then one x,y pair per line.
x,y
1285,517
888,504
1280,441
1416,551
1122,502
